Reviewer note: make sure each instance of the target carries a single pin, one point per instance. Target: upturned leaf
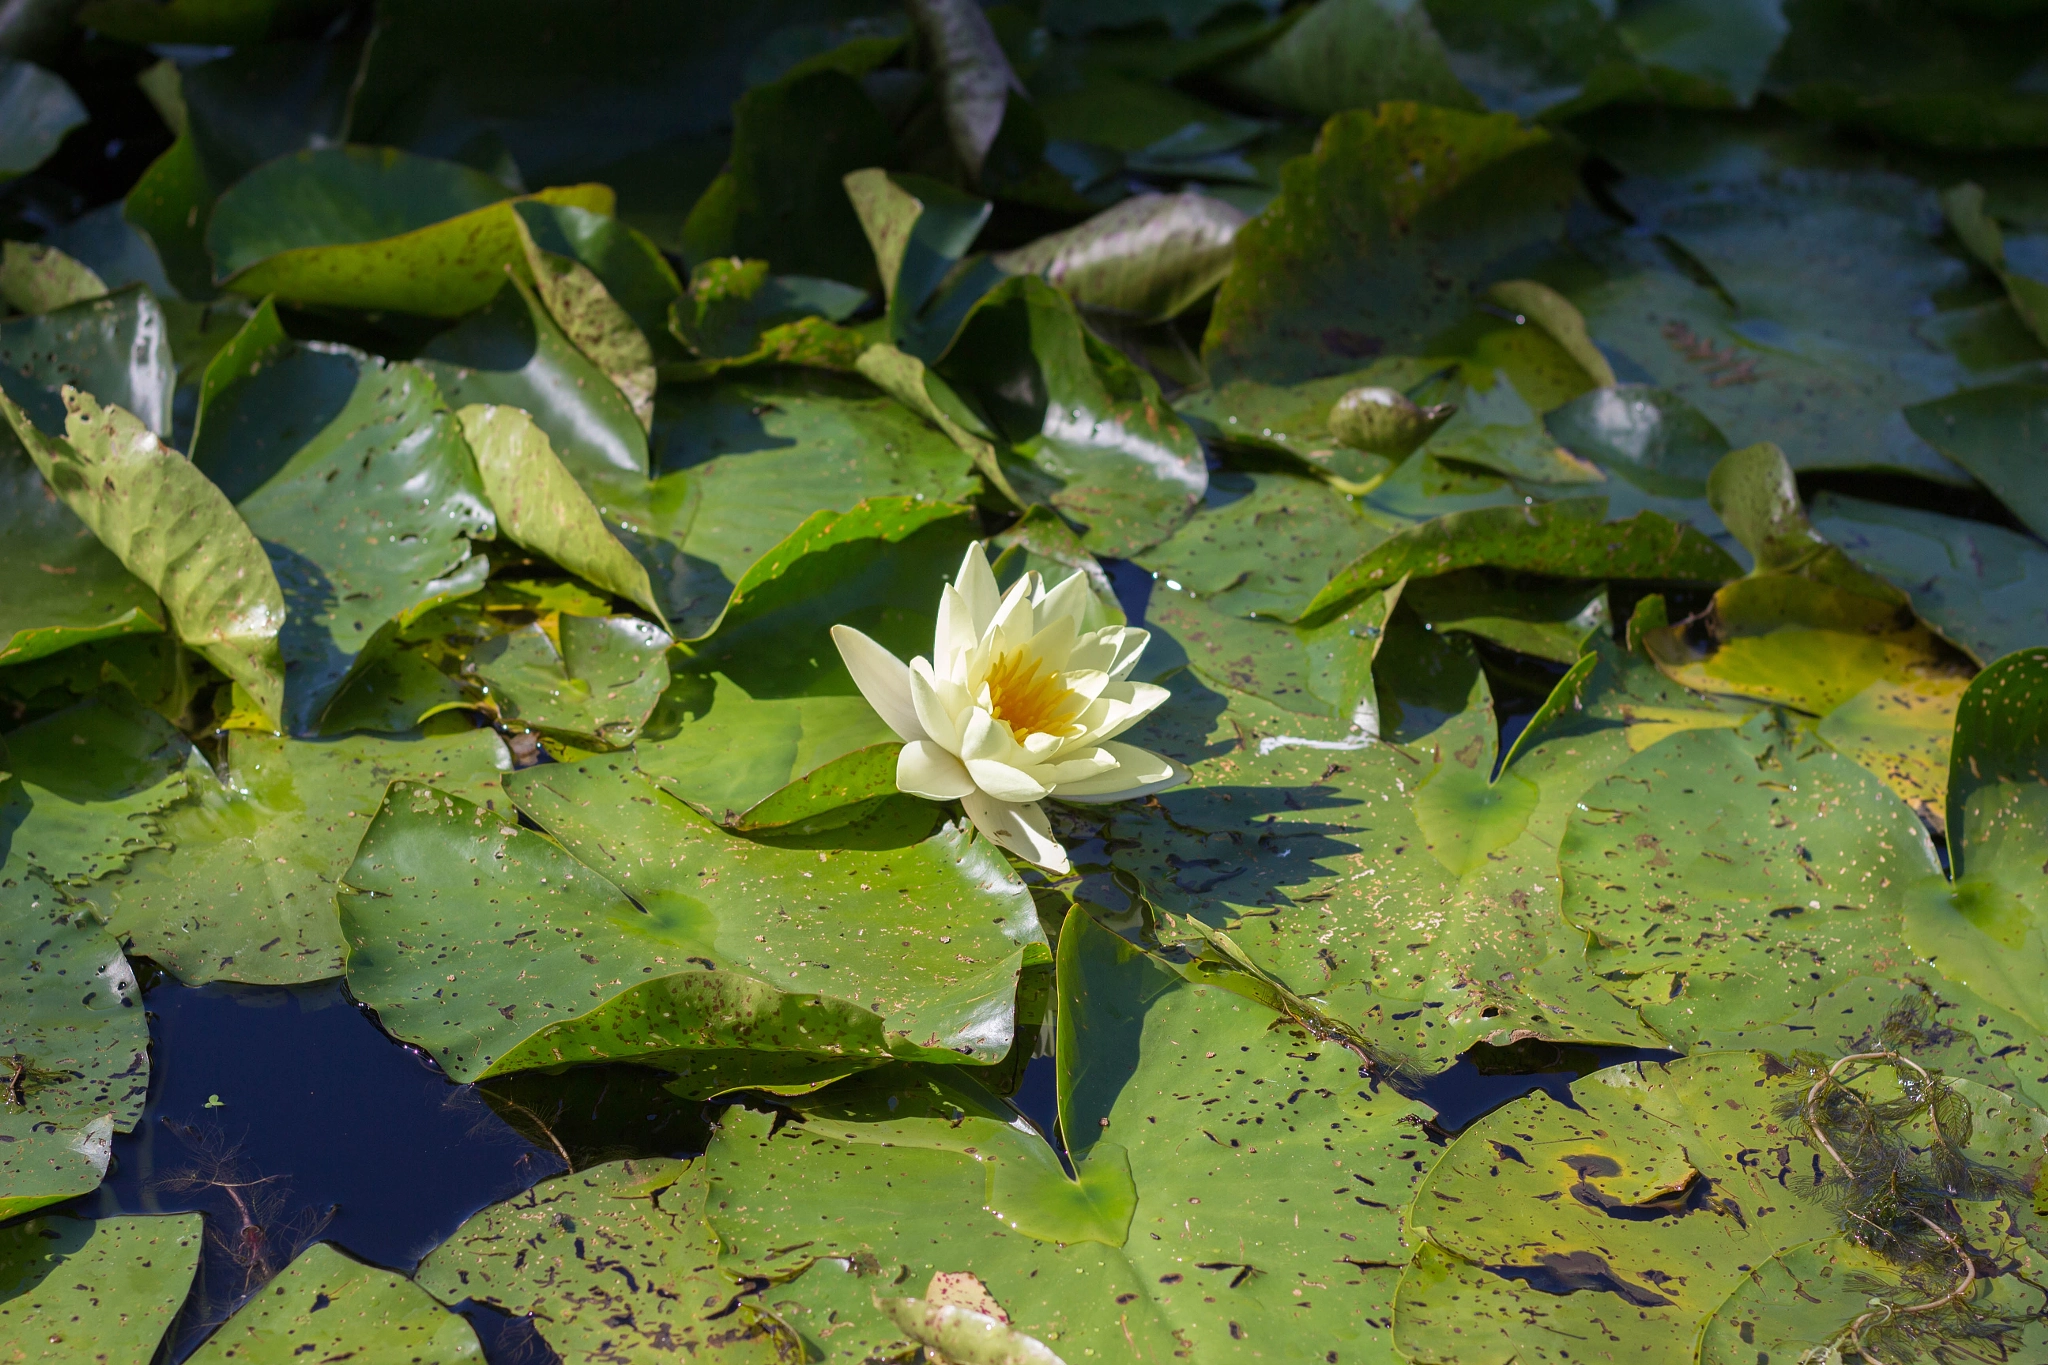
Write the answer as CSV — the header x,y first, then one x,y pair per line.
x,y
170,527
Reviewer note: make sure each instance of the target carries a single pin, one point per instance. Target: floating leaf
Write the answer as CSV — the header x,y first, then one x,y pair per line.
x,y
88,784
361,227
974,77
512,353
1351,54
76,1054
59,1275
738,313
1992,433
173,530
1340,269
534,998
59,586
556,1253
590,317
737,751
1151,257
587,679
288,429
539,504
244,888
1730,876
1631,1213
1984,928
1978,584
39,279
1101,444
36,109
1571,538
116,348
782,198
327,1303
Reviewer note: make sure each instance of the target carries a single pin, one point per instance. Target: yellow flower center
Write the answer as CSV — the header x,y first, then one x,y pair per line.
x,y
1029,697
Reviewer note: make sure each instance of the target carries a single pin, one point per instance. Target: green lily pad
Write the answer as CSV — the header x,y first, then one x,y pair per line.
x,y
89,783
59,586
651,998
1150,257
244,888
76,1049
539,504
1343,266
39,279
782,199
360,1310
173,530
609,337
1651,437
1193,1111
362,227
116,348
1351,54
1992,433
512,353
60,1273
919,229
747,459
736,312
727,751
381,439
1101,445
1974,582
556,1254
37,109
1630,1214
877,567
1569,538
589,679
1307,845
1730,876
1983,929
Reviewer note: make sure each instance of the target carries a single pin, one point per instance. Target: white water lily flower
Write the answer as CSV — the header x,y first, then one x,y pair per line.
x,y
1020,700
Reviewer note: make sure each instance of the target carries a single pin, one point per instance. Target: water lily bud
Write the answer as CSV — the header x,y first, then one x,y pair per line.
x,y
1384,421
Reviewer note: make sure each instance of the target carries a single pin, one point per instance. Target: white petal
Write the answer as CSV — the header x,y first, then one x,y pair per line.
x,y
924,769
1080,767
956,633
1022,829
1070,598
1121,706
1053,642
1004,782
931,709
976,583
1013,623
882,678
983,736
1139,772
1128,650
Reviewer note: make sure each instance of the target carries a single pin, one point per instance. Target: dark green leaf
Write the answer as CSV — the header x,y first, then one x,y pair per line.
x,y
1101,445
242,886
512,353
58,1274
116,348
359,227
1150,257
1340,268
77,1054
1351,54
330,1303
575,1235
36,110
1569,539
